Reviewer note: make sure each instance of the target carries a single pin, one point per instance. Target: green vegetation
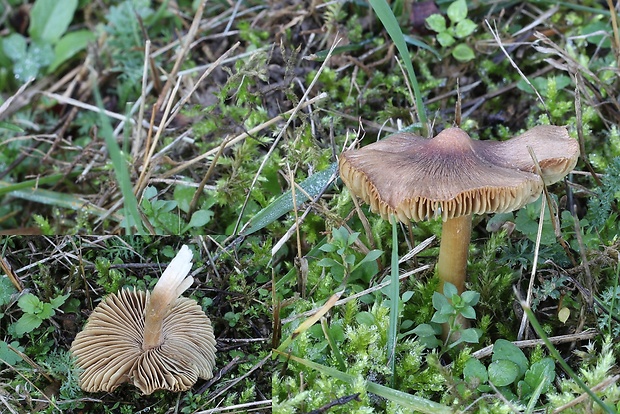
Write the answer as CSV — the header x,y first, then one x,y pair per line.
x,y
67,279
219,125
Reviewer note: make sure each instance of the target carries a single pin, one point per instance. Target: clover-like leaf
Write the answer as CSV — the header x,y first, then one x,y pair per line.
x,y
464,28
503,372
457,11
436,22
445,39
463,53
506,350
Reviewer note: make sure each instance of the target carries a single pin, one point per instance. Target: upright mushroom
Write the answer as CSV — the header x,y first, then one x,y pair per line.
x,y
156,340
453,177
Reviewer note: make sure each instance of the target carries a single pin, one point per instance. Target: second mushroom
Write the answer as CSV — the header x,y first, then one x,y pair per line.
x,y
453,177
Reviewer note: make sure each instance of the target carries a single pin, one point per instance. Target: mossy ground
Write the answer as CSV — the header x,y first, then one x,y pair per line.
x,y
274,111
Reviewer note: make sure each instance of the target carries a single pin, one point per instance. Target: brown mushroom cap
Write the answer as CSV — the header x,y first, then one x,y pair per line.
x,y
110,348
452,175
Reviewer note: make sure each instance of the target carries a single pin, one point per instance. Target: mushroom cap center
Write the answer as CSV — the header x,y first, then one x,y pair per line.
x,y
450,140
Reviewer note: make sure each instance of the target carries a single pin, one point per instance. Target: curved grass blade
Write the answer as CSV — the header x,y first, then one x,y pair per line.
x,y
314,186
408,401
62,200
6,187
422,45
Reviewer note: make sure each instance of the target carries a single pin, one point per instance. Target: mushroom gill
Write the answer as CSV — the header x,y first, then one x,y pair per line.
x,y
155,341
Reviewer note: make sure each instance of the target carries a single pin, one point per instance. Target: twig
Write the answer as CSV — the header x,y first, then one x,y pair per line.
x,y
598,387
529,343
512,62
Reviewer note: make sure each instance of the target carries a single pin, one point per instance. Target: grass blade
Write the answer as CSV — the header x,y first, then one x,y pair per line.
x,y
408,401
62,200
394,302
6,187
385,14
130,202
314,186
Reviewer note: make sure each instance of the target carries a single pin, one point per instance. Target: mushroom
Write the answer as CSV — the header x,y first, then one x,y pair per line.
x,y
156,340
453,177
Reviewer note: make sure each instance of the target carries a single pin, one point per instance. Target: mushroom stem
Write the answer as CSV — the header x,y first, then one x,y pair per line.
x,y
173,282
453,249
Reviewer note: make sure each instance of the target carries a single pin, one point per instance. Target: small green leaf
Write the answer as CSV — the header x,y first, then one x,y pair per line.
x,y
365,318
6,290
371,256
407,295
439,301
46,311
464,28
470,297
504,349
449,290
470,335
475,370
49,19
15,47
27,323
183,195
327,262
39,55
424,330
352,238
463,53
436,22
457,11
445,39
542,371
68,46
503,372
29,303
440,317
8,355
200,218
328,248
58,301
468,312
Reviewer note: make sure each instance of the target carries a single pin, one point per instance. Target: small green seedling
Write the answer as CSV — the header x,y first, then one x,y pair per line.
x,y
510,372
346,263
460,27
35,312
165,217
449,306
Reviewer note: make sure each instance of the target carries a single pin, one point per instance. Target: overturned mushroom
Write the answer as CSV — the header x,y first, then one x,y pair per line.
x,y
155,340
452,176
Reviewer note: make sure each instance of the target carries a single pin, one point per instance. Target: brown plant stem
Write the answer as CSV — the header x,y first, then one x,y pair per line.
x,y
453,249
